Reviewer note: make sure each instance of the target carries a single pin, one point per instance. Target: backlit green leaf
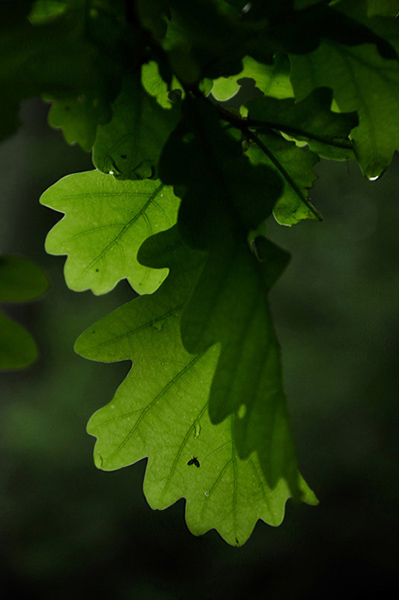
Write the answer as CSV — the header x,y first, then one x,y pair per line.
x,y
310,119
273,80
363,81
161,410
157,87
105,223
295,165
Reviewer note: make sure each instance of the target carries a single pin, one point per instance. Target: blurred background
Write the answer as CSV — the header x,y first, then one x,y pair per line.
x,y
68,530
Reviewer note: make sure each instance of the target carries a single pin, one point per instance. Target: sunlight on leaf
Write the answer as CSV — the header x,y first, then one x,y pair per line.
x,y
105,223
363,81
160,410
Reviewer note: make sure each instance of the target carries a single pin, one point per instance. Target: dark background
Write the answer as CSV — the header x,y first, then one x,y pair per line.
x,y
70,531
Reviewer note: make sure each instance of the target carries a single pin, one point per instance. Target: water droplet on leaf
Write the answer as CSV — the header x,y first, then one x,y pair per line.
x,y
197,430
242,411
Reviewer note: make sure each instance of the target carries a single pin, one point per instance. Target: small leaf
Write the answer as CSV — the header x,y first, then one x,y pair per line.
x,y
131,143
295,165
17,347
105,223
79,117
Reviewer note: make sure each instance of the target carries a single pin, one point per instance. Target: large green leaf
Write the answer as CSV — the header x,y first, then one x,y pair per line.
x,y
131,143
21,280
310,119
361,80
160,411
229,302
105,223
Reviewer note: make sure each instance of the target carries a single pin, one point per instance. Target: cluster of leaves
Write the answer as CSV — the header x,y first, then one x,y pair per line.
x,y
177,205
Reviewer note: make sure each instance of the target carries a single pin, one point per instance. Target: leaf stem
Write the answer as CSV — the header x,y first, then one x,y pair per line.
x,y
251,135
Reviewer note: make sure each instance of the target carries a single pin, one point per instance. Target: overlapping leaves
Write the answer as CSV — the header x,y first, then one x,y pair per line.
x,y
363,81
161,410
204,399
229,302
56,58
131,143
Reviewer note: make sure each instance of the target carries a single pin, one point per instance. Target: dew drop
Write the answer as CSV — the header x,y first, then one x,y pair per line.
x,y
206,494
374,178
111,173
242,411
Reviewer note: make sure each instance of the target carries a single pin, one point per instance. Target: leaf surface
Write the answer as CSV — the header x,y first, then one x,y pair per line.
x,y
273,80
311,119
155,86
105,222
363,81
131,143
228,304
160,410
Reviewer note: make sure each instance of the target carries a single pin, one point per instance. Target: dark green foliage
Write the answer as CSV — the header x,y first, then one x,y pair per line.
x,y
20,281
290,82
